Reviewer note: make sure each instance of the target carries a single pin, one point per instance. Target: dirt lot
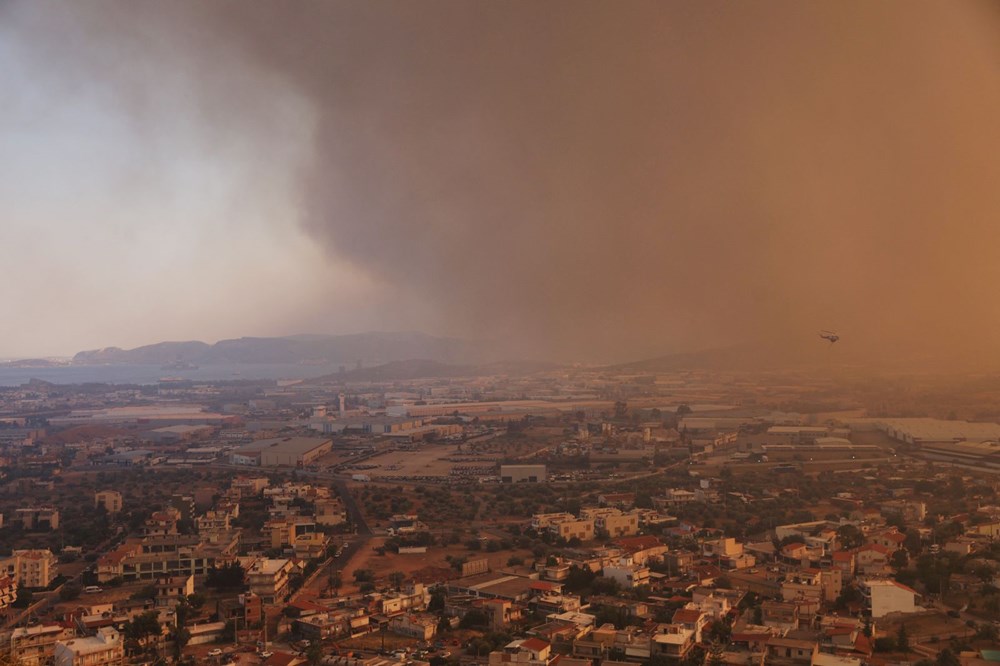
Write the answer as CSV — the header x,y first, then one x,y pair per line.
x,y
931,623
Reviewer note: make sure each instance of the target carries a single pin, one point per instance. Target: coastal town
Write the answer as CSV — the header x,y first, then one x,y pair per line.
x,y
572,516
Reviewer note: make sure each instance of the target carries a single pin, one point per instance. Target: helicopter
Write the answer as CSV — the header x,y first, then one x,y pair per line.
x,y
829,335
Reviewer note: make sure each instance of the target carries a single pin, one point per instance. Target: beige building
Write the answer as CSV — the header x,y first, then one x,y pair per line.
x,y
419,625
8,591
38,518
36,645
105,649
330,512
570,529
523,474
30,568
627,573
623,524
170,591
111,500
269,579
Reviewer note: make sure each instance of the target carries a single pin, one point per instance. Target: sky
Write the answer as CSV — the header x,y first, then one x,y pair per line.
x,y
572,179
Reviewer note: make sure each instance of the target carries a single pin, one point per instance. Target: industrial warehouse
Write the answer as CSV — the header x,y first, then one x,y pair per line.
x,y
284,452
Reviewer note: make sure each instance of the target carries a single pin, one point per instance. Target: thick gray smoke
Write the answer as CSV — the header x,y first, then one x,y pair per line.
x,y
613,179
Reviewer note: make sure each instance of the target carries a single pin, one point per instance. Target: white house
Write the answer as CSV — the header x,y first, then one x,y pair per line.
x,y
888,596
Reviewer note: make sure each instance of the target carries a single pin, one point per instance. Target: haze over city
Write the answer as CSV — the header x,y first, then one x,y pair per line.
x,y
482,333
576,180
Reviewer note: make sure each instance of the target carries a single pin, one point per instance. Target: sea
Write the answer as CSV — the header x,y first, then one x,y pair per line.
x,y
154,374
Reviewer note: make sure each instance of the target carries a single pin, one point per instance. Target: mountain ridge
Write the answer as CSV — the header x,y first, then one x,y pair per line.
x,y
367,348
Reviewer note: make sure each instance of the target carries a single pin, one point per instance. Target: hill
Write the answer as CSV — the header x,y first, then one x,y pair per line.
x,y
368,348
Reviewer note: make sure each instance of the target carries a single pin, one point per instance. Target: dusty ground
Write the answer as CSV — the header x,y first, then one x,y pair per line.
x,y
932,623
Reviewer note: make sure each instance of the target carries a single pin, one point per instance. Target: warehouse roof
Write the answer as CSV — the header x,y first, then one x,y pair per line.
x,y
293,445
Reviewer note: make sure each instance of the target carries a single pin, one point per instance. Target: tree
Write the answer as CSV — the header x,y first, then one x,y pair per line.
x,y
902,639
181,636
227,576
716,654
24,599
474,618
912,542
69,591
885,644
144,592
139,630
315,653
849,536
396,578
947,658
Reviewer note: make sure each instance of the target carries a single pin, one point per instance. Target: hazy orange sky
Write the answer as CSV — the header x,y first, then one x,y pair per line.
x,y
592,180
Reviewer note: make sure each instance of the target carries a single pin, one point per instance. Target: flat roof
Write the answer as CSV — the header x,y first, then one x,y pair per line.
x,y
293,445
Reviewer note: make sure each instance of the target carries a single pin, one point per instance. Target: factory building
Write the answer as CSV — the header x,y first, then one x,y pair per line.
x,y
284,452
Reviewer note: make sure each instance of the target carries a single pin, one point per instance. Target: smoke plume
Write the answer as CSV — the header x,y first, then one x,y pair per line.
x,y
605,179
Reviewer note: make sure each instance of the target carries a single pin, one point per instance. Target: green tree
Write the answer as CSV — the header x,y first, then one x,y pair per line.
x,y
24,599
902,639
69,591
140,630
227,576
144,592
181,636
438,598
716,654
947,658
314,654
849,536
474,618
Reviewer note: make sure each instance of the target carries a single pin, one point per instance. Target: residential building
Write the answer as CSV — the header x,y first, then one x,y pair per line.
x,y
643,549
422,626
164,556
269,579
525,652
38,518
627,573
105,649
728,553
790,651
542,521
330,512
573,529
30,568
171,591
413,597
673,641
888,596
618,525
35,646
111,500
8,591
